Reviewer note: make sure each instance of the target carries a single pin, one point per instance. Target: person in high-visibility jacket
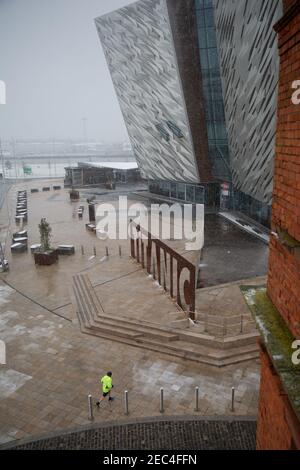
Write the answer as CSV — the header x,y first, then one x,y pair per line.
x,y
107,385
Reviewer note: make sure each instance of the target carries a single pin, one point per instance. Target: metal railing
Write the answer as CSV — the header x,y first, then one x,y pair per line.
x,y
222,326
166,266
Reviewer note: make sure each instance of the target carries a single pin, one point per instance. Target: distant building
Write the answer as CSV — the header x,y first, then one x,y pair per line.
x,y
95,174
197,85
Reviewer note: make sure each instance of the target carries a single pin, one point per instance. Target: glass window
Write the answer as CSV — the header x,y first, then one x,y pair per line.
x,y
211,37
210,131
199,194
190,193
204,61
174,190
201,22
209,18
199,4
220,130
181,191
202,38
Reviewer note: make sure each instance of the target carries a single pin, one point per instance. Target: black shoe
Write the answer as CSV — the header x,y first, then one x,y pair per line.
x,y
111,398
98,404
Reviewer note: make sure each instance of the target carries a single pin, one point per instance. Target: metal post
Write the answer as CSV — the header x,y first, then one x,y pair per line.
x,y
224,326
126,408
95,251
188,310
161,408
205,323
232,399
241,323
90,405
196,398
82,250
107,254
120,251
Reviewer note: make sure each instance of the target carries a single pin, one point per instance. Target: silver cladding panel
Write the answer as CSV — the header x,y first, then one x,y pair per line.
x,y
138,45
249,67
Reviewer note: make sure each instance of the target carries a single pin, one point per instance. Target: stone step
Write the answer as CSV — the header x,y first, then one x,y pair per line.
x,y
83,299
180,349
96,302
130,325
80,308
89,305
147,335
114,331
224,343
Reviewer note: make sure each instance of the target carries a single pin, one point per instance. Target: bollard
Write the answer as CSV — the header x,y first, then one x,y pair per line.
x,y
224,326
205,323
107,254
90,404
232,399
161,408
120,251
95,251
126,408
241,323
82,250
196,398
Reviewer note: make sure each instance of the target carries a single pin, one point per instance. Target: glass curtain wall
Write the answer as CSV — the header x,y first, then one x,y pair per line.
x,y
212,91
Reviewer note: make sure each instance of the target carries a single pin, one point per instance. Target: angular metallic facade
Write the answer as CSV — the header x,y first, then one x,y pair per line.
x,y
140,52
249,64
197,84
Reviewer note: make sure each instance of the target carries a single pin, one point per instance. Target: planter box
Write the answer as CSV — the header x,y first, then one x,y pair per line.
x,y
56,188
46,188
45,258
34,190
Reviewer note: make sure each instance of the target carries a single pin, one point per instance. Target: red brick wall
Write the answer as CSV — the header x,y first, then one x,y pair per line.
x,y
284,268
272,429
288,3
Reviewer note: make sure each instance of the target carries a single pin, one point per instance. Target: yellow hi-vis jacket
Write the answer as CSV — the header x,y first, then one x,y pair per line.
x,y
106,383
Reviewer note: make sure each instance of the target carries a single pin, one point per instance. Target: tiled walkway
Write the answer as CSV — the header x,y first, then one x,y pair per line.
x,y
52,367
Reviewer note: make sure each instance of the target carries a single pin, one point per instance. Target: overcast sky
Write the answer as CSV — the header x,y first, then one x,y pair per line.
x,y
55,71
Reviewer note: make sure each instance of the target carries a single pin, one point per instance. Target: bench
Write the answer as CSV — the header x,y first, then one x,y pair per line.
x,y
35,247
18,247
66,249
91,227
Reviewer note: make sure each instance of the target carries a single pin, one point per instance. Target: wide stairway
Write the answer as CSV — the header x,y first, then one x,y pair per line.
x,y
148,335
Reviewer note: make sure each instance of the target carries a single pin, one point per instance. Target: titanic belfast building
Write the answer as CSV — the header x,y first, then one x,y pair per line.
x,y
197,84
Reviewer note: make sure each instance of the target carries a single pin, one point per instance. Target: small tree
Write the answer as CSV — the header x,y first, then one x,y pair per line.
x,y
45,235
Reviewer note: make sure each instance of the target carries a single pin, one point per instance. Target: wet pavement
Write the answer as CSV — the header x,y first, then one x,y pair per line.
x,y
230,254
51,366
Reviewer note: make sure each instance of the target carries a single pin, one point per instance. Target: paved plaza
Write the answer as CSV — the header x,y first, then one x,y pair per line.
x,y
52,367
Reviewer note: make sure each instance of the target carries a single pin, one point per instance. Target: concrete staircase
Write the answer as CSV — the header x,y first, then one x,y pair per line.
x,y
152,336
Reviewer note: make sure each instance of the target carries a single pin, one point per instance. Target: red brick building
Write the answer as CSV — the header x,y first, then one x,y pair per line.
x,y
277,310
